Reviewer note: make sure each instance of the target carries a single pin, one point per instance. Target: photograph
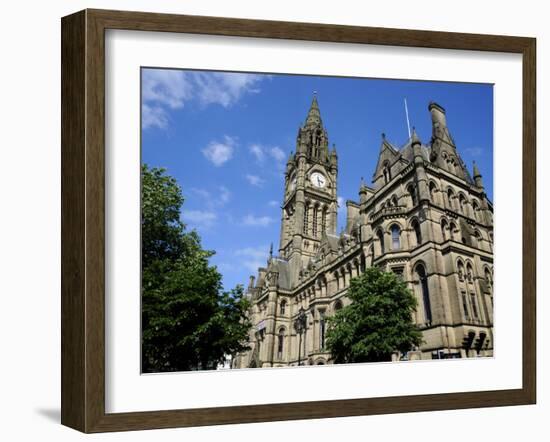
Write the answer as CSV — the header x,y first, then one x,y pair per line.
x,y
301,220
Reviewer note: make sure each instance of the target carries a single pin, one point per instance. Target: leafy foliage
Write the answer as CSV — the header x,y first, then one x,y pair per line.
x,y
188,322
376,323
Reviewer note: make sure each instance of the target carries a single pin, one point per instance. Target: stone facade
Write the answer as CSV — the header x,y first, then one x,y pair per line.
x,y
424,218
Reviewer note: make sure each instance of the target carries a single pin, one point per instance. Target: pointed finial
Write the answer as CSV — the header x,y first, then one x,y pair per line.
x,y
271,251
414,137
476,171
383,136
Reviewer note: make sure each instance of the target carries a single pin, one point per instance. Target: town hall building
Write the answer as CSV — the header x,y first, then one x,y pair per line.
x,y
424,218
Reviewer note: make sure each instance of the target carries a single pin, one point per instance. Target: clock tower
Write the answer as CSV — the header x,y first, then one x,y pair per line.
x,y
310,200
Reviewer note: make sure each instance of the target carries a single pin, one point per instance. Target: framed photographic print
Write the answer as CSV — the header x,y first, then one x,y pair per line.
x,y
269,220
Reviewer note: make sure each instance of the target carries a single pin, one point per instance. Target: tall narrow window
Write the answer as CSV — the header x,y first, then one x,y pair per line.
x,y
475,206
417,233
280,343
386,172
322,329
283,307
421,272
395,237
469,272
465,306
306,220
433,190
381,241
452,228
412,192
474,305
450,198
444,230
315,213
460,268
324,221
462,201
488,279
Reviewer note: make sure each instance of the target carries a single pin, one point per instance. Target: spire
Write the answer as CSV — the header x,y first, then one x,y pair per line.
x,y
414,137
271,251
476,171
477,176
314,114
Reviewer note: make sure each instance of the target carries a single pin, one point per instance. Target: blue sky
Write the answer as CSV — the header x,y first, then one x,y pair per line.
x,y
226,137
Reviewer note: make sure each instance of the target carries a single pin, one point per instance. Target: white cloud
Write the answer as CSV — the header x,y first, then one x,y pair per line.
x,y
224,88
152,116
224,195
253,257
255,180
273,203
261,153
219,198
341,204
474,151
257,221
218,153
199,218
278,154
169,89
258,152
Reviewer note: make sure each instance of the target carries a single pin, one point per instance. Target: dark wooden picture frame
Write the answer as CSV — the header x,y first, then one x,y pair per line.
x,y
83,220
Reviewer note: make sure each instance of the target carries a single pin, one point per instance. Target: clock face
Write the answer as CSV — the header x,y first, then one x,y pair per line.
x,y
318,180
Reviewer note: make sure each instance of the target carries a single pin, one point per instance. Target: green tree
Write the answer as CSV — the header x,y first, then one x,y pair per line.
x,y
188,321
376,323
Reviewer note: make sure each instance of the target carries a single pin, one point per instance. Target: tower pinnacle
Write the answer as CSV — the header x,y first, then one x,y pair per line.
x,y
314,114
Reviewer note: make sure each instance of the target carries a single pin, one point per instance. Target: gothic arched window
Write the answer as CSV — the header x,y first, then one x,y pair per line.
x,y
444,230
395,237
322,329
475,206
280,343
282,308
488,280
412,192
380,236
433,191
479,239
450,196
460,268
469,272
452,228
462,201
417,233
423,280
